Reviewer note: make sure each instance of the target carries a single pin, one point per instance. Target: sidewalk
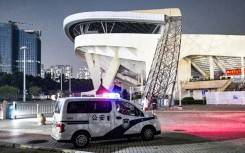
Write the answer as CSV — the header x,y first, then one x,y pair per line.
x,y
5,148
18,126
19,133
208,108
199,108
22,135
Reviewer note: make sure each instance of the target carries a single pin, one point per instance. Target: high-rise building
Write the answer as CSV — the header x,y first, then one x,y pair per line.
x,y
9,47
42,71
30,39
12,57
58,70
83,73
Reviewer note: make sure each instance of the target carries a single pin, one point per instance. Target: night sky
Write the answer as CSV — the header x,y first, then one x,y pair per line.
x,y
199,17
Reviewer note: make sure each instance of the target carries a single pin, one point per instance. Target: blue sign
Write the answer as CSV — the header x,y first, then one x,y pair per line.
x,y
203,93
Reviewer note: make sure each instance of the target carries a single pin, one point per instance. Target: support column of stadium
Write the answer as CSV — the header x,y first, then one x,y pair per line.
x,y
211,67
222,68
127,78
198,68
188,72
112,71
162,76
93,61
184,67
141,82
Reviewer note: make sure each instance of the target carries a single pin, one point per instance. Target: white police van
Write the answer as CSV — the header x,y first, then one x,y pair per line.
x,y
81,119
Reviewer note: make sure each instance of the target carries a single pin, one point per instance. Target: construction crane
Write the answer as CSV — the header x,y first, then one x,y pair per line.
x,y
38,32
15,22
163,73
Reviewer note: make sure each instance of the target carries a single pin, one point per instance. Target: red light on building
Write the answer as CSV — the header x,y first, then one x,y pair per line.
x,y
234,72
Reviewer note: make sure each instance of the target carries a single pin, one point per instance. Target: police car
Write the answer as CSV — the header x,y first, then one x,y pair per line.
x,y
83,119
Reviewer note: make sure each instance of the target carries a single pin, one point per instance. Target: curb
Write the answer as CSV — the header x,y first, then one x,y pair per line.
x,y
199,111
21,146
182,109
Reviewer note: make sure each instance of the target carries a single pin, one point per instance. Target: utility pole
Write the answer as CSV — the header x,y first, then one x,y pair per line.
x,y
61,80
24,48
70,83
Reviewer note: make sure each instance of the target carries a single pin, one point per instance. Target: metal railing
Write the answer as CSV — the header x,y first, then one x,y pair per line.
x,y
32,110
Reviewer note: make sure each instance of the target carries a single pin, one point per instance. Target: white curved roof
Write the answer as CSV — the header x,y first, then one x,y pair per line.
x,y
110,15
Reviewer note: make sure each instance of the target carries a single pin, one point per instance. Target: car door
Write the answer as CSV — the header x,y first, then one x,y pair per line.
x,y
127,117
100,118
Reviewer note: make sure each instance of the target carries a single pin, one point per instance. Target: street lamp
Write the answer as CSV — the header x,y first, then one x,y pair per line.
x,y
130,92
70,83
24,48
61,79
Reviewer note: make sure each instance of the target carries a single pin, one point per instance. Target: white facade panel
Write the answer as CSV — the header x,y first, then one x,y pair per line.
x,y
139,47
230,98
215,45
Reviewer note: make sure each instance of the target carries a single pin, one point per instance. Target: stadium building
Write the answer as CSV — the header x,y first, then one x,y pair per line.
x,y
120,46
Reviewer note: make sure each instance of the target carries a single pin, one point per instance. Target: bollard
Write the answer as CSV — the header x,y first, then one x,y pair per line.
x,y
4,110
1,112
41,119
14,110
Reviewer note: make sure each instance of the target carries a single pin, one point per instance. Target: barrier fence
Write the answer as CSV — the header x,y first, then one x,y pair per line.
x,y
32,110
1,111
230,98
3,108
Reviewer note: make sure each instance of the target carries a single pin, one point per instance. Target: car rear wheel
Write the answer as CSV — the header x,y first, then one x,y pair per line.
x,y
80,140
147,133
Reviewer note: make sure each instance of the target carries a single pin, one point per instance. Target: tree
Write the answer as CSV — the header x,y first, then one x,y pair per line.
x,y
16,80
35,91
48,84
8,92
5,78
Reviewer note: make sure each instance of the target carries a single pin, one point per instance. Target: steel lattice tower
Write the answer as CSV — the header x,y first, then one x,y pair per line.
x,y
162,76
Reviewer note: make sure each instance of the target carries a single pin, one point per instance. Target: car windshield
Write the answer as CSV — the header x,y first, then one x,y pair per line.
x,y
127,109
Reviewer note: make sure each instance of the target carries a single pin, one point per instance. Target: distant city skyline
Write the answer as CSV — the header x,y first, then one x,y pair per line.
x,y
199,17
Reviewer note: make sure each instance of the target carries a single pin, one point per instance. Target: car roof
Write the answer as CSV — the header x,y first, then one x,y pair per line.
x,y
89,98
70,99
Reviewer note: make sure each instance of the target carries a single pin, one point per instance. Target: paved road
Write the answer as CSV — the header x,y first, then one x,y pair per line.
x,y
184,131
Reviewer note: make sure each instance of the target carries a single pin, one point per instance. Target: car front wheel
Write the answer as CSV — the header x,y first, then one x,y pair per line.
x,y
147,134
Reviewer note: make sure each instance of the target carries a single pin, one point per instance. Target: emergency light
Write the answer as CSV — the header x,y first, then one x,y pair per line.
x,y
111,95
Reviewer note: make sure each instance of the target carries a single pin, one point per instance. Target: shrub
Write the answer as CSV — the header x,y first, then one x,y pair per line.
x,y
191,102
138,96
35,91
8,92
187,98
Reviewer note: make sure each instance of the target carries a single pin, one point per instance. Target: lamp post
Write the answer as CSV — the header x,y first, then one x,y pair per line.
x,y
180,96
130,92
61,79
70,83
24,48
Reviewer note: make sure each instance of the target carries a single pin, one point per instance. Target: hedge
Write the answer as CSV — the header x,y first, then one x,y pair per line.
x,y
191,102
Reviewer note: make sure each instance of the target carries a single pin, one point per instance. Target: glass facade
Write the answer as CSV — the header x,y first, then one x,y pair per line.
x,y
8,47
32,41
11,57
95,27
